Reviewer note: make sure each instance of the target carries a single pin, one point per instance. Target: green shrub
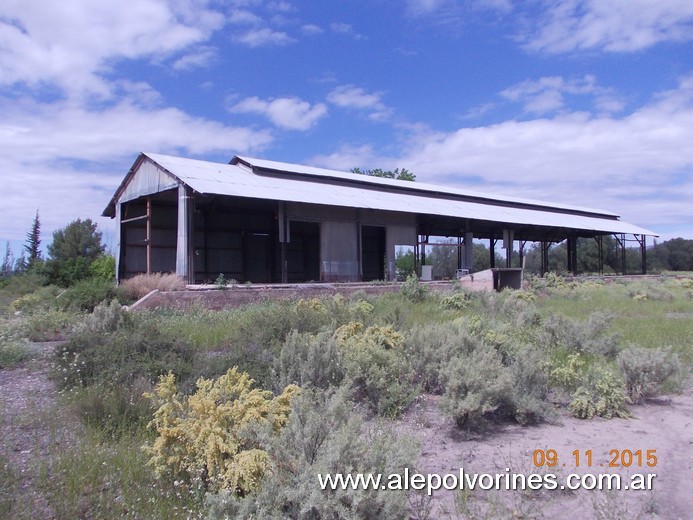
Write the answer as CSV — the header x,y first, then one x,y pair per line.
x,y
523,295
376,367
568,372
475,387
114,411
17,286
554,280
530,385
647,371
13,344
309,361
686,283
594,337
412,290
38,300
602,395
324,435
112,347
103,267
310,315
49,324
429,348
205,438
642,291
456,301
221,283
87,294
12,352
506,307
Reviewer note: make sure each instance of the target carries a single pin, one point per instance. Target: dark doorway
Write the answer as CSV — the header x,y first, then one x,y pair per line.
x,y
303,252
373,253
257,252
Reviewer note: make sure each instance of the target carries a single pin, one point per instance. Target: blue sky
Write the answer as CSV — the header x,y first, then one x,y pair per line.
x,y
587,102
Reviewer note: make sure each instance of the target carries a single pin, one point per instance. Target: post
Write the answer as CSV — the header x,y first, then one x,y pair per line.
x,y
459,253
283,239
508,238
643,252
623,254
149,234
118,253
600,248
468,250
184,245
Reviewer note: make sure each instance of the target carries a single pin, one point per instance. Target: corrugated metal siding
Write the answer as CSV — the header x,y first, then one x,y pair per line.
x,y
147,180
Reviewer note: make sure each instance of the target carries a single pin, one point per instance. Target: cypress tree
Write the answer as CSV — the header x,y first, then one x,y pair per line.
x,y
33,243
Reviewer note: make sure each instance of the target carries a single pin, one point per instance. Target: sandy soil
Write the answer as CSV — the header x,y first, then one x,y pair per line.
x,y
664,425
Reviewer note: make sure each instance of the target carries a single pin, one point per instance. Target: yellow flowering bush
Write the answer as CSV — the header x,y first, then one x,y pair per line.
x,y
206,436
377,367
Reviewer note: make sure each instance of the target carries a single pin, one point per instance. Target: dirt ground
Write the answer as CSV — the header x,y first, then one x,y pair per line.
x,y
664,425
31,426
28,408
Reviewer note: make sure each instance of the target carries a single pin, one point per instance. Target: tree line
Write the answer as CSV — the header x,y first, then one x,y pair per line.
x,y
672,255
75,253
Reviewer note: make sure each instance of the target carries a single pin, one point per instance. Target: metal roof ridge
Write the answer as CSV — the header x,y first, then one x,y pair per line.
x,y
481,197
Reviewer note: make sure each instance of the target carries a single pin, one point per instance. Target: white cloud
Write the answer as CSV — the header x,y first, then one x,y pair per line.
x,y
345,28
65,195
67,160
283,7
614,25
53,132
547,94
637,165
454,11
348,157
72,43
201,57
287,112
423,7
264,36
311,29
351,96
243,17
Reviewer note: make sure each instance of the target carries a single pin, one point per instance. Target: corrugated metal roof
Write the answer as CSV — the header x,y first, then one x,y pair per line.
x,y
239,181
264,164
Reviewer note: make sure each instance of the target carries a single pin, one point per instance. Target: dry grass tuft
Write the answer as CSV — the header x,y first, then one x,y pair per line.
x,y
142,284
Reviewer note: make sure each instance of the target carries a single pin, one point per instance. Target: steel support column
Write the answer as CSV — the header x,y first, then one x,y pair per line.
x,y
468,251
185,267
642,241
600,249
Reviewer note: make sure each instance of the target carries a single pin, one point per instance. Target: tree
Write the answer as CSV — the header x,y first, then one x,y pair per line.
x,y
72,252
7,268
33,243
404,263
679,254
400,175
444,259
